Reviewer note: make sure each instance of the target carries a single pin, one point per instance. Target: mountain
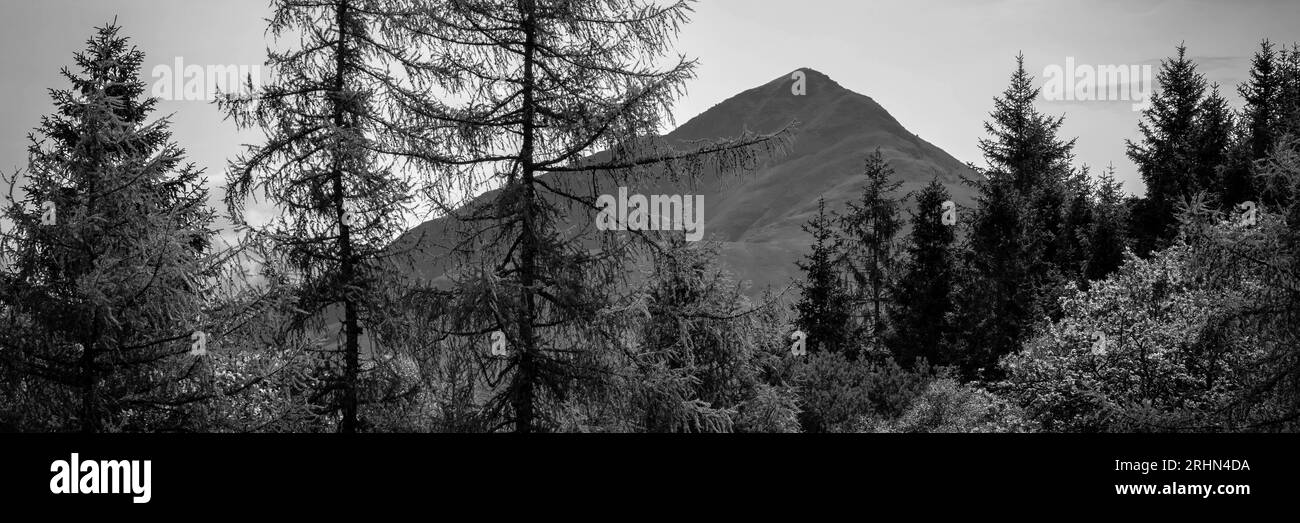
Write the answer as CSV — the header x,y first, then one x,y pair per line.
x,y
757,216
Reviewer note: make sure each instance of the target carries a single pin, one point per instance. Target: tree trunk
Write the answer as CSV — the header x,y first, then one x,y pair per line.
x,y
523,397
351,327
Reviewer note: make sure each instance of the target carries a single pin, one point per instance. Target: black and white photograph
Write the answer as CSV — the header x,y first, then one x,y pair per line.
x,y
878,230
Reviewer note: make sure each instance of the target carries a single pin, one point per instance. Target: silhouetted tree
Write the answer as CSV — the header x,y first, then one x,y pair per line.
x,y
922,299
1168,154
1107,240
1011,273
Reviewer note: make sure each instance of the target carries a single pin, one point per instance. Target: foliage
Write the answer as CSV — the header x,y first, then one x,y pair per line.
x,y
824,308
109,259
869,227
922,303
947,405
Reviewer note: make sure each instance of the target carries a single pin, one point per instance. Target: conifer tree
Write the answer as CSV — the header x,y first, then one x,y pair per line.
x,y
1290,91
702,350
1261,94
869,227
556,102
1212,141
107,261
824,307
1168,154
1107,240
1257,126
335,125
1011,266
1073,247
922,300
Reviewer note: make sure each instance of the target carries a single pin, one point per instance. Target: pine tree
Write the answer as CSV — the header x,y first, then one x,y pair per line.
x,y
108,257
335,121
542,88
869,227
1168,153
922,299
823,310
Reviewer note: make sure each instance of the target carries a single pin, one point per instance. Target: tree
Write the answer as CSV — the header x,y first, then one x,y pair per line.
x,y
108,259
555,102
1213,143
869,228
702,350
1012,270
1197,337
1290,91
823,310
1025,153
1168,154
1257,126
1073,247
1106,239
336,124
1022,144
922,299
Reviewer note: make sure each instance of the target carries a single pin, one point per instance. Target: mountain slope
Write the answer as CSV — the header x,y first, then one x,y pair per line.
x,y
757,216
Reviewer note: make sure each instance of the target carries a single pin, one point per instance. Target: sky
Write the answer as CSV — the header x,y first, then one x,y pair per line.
x,y
935,65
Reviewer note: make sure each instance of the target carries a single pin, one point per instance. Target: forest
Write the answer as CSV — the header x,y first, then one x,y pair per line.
x,y
1059,301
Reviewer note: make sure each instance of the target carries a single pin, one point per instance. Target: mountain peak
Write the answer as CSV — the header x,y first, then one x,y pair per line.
x,y
812,98
811,76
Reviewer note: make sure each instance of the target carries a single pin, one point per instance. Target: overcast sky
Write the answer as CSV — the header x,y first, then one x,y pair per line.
x,y
934,64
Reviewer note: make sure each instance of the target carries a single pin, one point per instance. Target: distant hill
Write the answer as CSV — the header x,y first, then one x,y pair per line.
x,y
757,216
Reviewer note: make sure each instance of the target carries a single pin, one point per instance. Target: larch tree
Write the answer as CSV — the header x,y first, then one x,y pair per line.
x,y
551,103
870,226
334,167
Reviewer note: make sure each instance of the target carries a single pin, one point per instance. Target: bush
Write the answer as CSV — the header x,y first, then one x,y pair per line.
x,y
949,406
837,393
